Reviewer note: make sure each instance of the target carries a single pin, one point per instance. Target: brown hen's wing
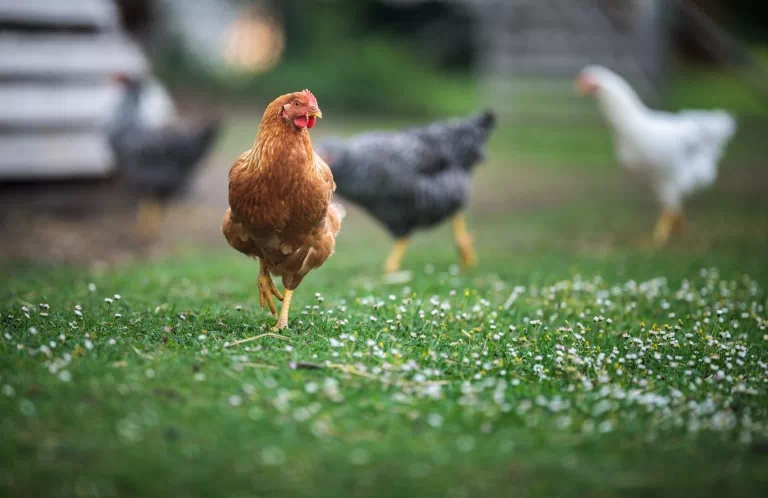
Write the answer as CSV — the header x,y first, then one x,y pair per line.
x,y
325,172
238,237
239,163
257,199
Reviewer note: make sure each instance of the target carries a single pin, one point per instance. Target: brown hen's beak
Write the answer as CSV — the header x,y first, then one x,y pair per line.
x,y
585,85
316,113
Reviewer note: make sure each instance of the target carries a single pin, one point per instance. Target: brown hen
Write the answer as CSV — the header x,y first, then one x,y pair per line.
x,y
280,208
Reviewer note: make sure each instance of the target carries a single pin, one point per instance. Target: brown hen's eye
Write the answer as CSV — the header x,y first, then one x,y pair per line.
x,y
296,103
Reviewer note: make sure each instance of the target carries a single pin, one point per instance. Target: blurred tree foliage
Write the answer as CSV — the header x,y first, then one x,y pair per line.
x,y
748,17
745,20
357,56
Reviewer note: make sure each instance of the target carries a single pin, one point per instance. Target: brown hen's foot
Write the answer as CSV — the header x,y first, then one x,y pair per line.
x,y
665,225
282,322
396,256
267,289
464,243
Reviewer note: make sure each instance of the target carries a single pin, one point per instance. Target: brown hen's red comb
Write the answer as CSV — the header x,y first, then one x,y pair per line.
x,y
312,99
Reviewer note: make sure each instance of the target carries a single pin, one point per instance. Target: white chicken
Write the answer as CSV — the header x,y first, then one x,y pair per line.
x,y
677,152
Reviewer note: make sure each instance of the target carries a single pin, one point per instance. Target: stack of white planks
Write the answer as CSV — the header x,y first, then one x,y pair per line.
x,y
57,62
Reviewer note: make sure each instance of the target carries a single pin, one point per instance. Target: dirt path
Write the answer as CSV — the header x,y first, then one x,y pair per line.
x,y
93,224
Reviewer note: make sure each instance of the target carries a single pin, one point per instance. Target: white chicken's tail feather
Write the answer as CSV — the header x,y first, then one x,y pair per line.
x,y
717,125
715,128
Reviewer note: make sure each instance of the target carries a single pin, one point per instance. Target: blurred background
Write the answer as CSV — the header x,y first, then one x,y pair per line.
x,y
69,193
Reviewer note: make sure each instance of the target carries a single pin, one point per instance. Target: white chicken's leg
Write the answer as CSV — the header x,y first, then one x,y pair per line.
x,y
396,256
267,289
680,224
668,222
467,254
282,322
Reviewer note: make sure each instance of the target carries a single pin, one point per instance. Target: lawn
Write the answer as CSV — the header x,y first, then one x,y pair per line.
x,y
574,361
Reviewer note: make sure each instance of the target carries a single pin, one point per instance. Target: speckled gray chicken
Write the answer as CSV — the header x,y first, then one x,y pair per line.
x,y
414,178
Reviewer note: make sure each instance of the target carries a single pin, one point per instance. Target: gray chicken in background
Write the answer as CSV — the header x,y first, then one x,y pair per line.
x,y
156,156
413,178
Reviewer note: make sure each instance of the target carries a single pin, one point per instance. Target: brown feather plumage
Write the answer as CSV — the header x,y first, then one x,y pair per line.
x,y
280,194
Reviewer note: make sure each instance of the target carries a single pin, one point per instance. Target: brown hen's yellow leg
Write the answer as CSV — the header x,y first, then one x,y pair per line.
x,y
149,218
267,289
396,256
282,322
464,243
664,226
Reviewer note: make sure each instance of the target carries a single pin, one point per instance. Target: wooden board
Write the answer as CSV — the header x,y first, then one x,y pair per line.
x,y
55,155
101,14
68,56
57,105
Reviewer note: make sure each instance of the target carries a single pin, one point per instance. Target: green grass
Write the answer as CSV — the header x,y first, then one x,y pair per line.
x,y
446,392
437,396
601,378
696,88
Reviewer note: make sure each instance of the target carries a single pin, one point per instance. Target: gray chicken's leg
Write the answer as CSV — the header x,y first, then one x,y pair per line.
x,y
149,218
464,244
396,256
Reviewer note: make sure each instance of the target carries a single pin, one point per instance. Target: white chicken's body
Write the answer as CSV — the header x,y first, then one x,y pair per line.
x,y
677,153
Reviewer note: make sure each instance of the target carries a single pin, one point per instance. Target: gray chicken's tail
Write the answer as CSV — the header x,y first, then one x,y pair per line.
x,y
486,120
